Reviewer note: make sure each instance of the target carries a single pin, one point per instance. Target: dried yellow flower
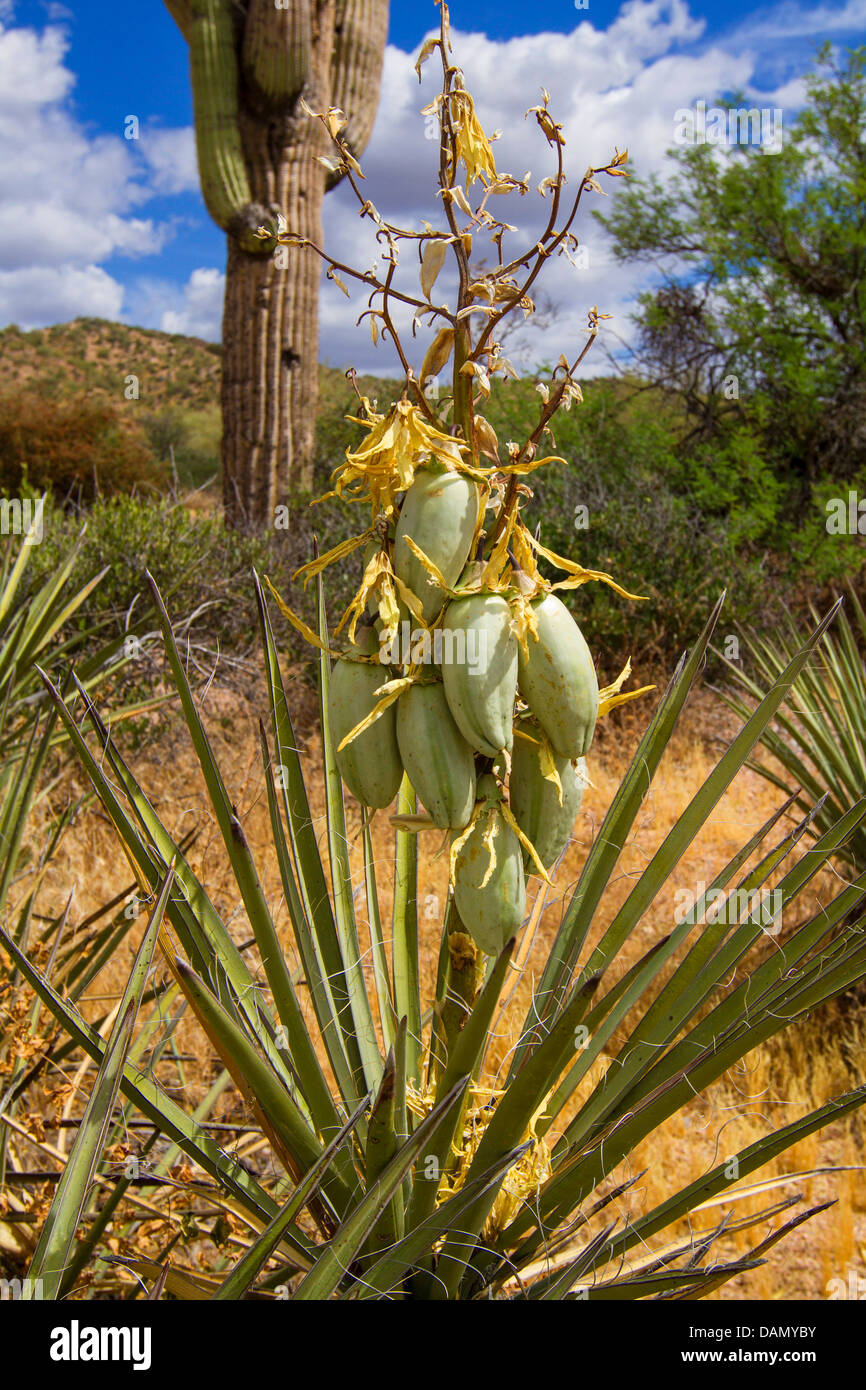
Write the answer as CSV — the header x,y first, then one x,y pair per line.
x,y
384,465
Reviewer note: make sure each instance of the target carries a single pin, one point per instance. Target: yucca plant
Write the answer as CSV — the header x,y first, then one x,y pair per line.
x,y
37,625
818,747
412,1165
416,1175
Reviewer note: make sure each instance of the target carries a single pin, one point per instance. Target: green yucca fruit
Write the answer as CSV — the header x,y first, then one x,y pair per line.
x,y
479,670
438,760
558,679
439,513
534,800
369,765
491,913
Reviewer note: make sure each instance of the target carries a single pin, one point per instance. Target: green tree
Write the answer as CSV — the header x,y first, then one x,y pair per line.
x,y
758,323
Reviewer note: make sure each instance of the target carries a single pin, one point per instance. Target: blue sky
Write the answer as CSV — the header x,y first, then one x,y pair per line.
x,y
91,223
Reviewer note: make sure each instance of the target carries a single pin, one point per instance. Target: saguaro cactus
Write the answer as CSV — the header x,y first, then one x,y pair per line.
x,y
251,64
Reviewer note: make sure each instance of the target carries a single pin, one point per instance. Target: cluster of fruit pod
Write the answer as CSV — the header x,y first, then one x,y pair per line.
x,y
493,734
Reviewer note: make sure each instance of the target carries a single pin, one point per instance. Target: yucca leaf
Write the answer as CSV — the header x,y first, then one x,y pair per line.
x,y
718,1277
822,742
147,1096
705,965
385,1276
465,1056
84,1247
382,1144
336,1257
631,1287
314,1094
697,812
244,1273
275,1109
384,994
509,1123
322,998
192,914
18,799
341,878
309,871
404,933
556,1286
58,1231
566,1187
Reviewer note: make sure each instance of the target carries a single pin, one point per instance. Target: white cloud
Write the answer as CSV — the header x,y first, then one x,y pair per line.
x,y
619,87
171,158
199,312
32,74
614,87
68,200
792,21
35,296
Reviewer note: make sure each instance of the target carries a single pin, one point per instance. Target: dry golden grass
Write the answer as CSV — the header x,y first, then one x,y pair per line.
x,y
775,1084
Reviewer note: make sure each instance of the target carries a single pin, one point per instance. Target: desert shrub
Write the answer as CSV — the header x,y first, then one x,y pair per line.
x,y
630,501
192,437
75,446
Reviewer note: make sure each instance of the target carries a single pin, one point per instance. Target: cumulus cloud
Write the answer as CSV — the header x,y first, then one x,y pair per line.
x,y
200,314
35,296
791,21
610,88
194,309
171,159
69,200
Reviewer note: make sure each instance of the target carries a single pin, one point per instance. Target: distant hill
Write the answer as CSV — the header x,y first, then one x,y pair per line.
x,y
177,412
97,356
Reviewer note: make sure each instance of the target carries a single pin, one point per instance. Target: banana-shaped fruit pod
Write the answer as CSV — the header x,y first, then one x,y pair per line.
x,y
487,873
370,765
558,680
534,798
481,687
439,762
440,514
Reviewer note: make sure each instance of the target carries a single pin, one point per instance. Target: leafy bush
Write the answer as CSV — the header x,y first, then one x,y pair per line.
x,y
78,446
191,438
628,499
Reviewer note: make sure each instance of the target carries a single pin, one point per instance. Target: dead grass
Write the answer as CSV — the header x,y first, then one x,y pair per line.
x,y
775,1084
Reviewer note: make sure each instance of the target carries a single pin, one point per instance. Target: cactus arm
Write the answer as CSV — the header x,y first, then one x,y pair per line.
x,y
360,34
181,13
222,169
276,54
